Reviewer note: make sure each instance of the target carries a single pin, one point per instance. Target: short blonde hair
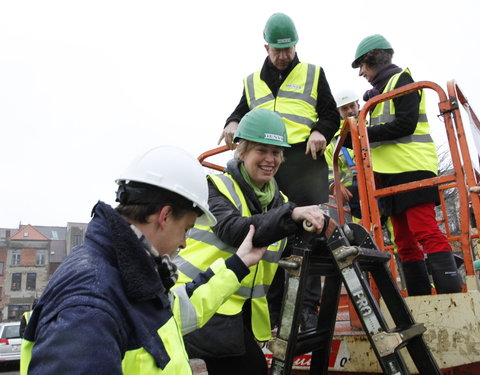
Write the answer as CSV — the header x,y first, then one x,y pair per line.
x,y
244,146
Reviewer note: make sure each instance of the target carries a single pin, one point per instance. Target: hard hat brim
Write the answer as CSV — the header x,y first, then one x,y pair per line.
x,y
282,45
207,218
356,64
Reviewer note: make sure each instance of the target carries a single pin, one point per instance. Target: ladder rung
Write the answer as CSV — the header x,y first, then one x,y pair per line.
x,y
373,255
346,255
387,342
306,342
322,269
311,340
352,251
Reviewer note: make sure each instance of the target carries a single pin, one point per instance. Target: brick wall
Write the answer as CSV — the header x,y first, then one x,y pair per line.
x,y
28,257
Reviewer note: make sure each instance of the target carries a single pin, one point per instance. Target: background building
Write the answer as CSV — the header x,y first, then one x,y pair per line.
x,y
29,255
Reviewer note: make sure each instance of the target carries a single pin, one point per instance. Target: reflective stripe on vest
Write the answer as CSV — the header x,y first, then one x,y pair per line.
x,y
188,313
210,238
421,138
296,99
203,247
414,152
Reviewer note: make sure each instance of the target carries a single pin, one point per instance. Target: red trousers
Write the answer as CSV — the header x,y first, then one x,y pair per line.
x,y
416,226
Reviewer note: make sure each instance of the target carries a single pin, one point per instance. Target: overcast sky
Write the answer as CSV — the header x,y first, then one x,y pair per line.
x,y
87,85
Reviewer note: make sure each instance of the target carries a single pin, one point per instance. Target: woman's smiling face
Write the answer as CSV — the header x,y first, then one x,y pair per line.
x,y
262,163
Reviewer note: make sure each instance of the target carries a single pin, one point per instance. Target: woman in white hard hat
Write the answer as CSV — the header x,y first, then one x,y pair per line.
x,y
245,194
403,151
108,309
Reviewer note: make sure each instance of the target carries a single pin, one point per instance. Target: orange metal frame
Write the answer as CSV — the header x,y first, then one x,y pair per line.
x,y
210,153
471,176
462,178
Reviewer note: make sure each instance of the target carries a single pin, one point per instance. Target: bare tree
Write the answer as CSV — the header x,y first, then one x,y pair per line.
x,y
450,195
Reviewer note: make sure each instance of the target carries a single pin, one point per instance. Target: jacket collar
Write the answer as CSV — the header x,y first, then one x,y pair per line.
x,y
384,73
269,65
274,77
137,267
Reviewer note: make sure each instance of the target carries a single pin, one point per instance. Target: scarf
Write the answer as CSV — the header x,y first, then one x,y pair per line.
x,y
165,267
264,195
384,73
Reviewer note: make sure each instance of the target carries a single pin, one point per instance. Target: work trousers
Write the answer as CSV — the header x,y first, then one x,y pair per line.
x,y
305,182
418,225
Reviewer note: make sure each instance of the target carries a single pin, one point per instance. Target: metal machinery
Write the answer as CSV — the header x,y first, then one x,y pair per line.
x,y
355,259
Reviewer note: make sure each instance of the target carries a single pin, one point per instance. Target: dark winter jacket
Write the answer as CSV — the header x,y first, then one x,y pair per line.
x,y
107,311
232,228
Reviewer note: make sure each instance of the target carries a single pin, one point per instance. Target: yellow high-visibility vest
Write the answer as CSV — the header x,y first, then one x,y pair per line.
x,y
296,99
410,153
204,247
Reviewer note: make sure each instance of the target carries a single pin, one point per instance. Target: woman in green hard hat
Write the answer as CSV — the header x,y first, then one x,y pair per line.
x,y
246,193
403,151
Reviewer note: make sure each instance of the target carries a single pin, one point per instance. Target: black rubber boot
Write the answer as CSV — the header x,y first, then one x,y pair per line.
x,y
416,278
444,272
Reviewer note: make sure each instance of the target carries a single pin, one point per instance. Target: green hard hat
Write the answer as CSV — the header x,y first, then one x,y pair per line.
x,y
280,31
476,265
262,126
368,44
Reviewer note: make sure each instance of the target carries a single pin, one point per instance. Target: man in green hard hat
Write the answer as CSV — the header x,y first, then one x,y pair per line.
x,y
300,93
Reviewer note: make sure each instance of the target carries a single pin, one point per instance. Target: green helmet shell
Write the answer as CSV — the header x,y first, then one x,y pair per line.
x,y
368,44
476,265
280,31
262,126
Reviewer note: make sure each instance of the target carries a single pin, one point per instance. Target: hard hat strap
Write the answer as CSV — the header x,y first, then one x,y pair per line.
x,y
146,195
136,195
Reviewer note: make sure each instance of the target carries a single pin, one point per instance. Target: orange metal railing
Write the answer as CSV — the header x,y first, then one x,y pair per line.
x,y
210,153
462,177
471,176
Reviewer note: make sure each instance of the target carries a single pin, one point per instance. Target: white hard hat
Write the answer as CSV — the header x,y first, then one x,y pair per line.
x,y
173,169
345,97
